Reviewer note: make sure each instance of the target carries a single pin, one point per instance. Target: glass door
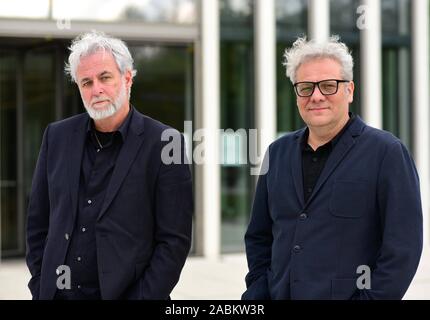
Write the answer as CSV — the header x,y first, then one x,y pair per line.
x,y
27,105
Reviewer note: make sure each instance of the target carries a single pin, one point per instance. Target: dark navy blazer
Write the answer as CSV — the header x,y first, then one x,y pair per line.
x,y
365,210
143,231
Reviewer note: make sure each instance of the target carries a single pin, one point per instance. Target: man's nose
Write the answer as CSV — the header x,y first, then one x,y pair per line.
x,y
317,95
97,88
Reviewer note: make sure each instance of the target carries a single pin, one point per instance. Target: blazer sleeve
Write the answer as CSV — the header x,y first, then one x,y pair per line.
x,y
399,203
38,218
258,242
172,235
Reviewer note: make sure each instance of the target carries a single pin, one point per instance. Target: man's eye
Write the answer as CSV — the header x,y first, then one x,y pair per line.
x,y
328,86
306,89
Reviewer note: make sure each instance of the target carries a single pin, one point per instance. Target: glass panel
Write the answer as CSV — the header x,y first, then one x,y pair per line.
x,y
343,17
172,11
291,17
236,11
389,63
72,101
24,9
71,98
163,86
291,23
288,116
39,105
396,68
390,16
237,108
395,18
8,152
236,20
343,22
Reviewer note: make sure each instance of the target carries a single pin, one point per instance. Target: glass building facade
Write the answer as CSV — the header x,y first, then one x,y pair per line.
x,y
165,40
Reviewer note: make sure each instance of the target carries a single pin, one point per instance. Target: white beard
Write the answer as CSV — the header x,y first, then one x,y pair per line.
x,y
110,109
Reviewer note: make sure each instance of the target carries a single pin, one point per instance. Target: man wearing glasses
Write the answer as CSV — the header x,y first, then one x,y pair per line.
x,y
338,213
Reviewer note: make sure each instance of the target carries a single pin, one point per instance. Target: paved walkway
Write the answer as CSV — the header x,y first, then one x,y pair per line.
x,y
200,279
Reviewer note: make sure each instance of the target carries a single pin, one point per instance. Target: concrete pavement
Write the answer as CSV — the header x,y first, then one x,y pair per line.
x,y
200,279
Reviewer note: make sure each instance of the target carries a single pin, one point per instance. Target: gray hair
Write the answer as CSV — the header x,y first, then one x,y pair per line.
x,y
303,51
91,42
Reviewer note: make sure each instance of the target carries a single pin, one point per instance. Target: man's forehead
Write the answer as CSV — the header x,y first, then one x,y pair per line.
x,y
319,67
96,63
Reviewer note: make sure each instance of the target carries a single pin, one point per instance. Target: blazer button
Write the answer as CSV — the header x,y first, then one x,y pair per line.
x,y
303,216
66,236
297,248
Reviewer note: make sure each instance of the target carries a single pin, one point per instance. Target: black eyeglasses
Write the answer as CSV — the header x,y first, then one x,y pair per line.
x,y
326,87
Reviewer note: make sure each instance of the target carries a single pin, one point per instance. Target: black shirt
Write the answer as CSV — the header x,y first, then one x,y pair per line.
x,y
98,162
313,162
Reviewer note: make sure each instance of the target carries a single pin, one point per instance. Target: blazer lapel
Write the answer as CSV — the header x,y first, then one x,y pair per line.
x,y
296,167
125,158
75,151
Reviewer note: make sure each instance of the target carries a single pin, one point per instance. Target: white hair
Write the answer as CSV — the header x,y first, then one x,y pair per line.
x,y
94,41
303,51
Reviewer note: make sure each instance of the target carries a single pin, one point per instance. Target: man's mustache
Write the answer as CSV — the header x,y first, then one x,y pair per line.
x,y
95,100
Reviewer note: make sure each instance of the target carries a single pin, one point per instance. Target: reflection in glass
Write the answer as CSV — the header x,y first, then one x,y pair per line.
x,y
343,17
235,10
8,152
163,86
395,17
291,23
343,22
237,107
291,16
39,105
171,11
24,9
396,68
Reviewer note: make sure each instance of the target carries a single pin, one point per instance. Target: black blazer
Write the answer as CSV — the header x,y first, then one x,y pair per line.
x,y
143,231
365,210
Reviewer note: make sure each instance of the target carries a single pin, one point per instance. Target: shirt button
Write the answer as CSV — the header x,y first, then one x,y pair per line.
x,y
309,190
314,159
89,201
79,286
83,229
66,236
79,258
297,248
303,216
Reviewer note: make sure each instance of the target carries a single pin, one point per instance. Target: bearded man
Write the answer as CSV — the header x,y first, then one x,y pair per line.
x,y
107,218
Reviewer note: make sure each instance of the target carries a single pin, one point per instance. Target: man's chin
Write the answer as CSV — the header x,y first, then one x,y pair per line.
x,y
100,114
318,122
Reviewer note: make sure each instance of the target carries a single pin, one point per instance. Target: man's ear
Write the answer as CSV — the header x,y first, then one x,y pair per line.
x,y
128,79
350,90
